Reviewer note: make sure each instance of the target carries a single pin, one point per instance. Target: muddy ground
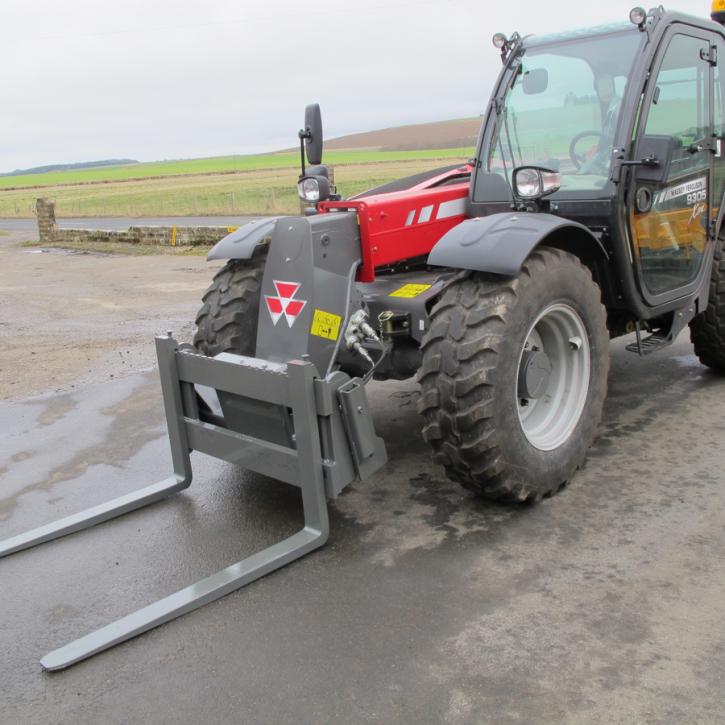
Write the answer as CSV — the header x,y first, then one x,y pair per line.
x,y
603,604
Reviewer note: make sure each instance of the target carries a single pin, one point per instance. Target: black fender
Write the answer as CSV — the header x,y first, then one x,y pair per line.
x,y
499,243
241,243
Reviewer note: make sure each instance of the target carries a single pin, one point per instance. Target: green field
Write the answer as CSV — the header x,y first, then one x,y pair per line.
x,y
216,165
262,184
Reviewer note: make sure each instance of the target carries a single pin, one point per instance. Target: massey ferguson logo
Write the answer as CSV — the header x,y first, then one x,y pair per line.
x,y
282,303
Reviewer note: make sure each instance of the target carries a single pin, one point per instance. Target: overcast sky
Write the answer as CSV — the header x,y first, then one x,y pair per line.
x,y
160,79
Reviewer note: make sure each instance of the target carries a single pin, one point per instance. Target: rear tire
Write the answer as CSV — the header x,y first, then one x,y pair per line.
x,y
227,320
707,330
483,329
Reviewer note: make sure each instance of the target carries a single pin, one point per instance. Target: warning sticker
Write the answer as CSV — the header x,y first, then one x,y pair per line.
x,y
410,290
232,229
325,324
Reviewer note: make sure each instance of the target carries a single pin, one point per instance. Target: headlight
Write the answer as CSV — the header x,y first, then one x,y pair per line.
x,y
309,189
528,183
532,182
313,188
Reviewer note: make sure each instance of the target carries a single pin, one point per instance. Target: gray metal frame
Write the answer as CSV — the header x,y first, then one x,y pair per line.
x,y
296,385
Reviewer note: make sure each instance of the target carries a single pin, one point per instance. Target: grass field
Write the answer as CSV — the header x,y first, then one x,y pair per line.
x,y
263,184
216,165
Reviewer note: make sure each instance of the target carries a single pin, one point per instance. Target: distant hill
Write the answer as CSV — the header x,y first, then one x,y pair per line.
x,y
459,133
71,167
440,135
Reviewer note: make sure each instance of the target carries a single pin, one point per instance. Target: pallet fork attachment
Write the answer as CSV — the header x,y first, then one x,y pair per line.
x,y
293,386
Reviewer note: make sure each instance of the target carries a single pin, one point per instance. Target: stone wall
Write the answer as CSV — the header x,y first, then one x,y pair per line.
x,y
163,236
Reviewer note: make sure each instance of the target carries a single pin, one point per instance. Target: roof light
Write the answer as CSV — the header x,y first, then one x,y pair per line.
x,y
718,11
500,40
637,16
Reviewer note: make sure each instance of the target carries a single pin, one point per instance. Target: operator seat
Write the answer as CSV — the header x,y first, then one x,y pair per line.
x,y
604,86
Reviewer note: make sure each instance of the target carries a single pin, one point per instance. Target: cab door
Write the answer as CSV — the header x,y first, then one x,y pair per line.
x,y
669,217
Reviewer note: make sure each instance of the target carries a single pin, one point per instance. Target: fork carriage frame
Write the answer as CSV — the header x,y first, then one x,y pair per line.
x,y
322,413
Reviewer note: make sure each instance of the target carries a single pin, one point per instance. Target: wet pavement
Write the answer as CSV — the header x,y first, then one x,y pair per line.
x,y
602,604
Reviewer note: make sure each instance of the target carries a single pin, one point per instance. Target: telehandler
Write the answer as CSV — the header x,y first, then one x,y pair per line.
x,y
593,208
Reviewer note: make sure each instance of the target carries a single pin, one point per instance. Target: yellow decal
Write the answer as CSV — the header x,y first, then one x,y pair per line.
x,y
410,290
325,324
232,229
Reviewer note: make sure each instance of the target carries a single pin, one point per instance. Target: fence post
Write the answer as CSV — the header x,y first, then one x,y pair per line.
x,y
45,212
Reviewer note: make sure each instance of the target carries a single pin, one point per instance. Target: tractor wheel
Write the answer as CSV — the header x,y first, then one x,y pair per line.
x,y
707,330
227,321
514,376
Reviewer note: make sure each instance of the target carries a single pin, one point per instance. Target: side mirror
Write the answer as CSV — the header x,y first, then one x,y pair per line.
x,y
535,81
312,134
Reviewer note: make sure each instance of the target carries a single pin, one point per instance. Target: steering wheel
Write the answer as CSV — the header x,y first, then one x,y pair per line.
x,y
576,158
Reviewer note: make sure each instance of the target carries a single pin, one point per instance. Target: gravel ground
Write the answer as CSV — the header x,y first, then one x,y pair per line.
x,y
69,318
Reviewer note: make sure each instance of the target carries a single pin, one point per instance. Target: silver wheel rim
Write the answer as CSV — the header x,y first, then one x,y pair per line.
x,y
549,419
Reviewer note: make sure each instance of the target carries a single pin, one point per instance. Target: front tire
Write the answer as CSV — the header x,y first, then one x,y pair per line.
x,y
514,376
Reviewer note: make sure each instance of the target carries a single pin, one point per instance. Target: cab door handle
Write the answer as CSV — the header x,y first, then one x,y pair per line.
x,y
704,144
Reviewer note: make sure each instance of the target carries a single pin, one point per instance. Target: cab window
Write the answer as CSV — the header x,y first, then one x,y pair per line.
x,y
679,103
670,232
561,111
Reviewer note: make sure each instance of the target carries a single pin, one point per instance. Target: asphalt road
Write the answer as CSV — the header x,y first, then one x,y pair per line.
x,y
602,604
114,223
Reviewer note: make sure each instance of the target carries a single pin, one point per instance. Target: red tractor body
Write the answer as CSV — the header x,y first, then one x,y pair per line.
x,y
405,225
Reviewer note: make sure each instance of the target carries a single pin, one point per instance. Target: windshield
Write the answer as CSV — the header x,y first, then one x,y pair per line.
x,y
562,109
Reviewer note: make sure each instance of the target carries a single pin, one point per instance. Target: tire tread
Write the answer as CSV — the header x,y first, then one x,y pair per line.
x,y
707,330
460,355
227,319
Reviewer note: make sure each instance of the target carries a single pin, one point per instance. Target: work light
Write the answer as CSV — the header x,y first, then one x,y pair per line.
x,y
499,40
532,182
637,16
313,188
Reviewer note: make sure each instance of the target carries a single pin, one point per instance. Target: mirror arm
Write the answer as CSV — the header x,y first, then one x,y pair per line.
x,y
303,134
646,161
619,162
